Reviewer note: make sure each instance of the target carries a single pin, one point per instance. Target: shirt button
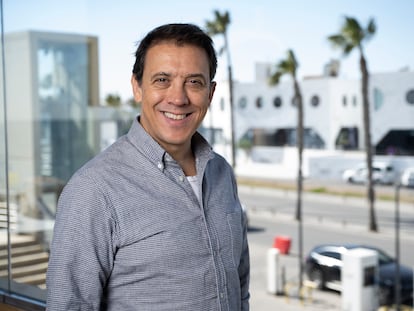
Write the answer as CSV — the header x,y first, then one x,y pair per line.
x,y
181,178
160,165
221,295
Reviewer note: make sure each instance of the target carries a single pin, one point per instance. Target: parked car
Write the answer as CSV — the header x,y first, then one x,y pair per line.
x,y
324,262
382,173
407,177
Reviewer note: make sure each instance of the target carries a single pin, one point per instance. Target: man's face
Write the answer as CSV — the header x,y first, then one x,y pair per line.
x,y
175,93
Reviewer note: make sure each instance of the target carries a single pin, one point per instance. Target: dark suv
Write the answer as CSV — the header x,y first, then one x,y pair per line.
x,y
323,266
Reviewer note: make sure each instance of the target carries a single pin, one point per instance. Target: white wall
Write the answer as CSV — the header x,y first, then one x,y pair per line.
x,y
328,118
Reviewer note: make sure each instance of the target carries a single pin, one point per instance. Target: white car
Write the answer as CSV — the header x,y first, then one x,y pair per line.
x,y
382,173
407,177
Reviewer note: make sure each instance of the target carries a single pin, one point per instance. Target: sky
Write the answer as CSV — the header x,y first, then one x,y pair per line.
x,y
260,31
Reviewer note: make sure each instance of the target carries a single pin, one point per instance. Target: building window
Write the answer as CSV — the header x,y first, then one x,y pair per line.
x,y
410,97
259,102
243,102
347,138
354,101
315,100
277,102
378,99
344,101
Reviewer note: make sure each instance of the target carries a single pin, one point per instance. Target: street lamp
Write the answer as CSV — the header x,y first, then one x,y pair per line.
x,y
397,248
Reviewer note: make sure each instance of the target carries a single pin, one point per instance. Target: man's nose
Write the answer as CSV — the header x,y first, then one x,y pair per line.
x,y
177,95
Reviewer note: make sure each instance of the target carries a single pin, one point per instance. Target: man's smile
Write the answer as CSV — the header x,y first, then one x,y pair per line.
x,y
173,116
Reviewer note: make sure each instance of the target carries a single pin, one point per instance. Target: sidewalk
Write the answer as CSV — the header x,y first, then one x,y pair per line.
x,y
261,300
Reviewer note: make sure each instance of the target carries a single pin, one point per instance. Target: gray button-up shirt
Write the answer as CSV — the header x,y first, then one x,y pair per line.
x,y
130,233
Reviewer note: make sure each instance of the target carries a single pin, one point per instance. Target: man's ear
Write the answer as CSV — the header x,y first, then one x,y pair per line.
x,y
212,90
136,89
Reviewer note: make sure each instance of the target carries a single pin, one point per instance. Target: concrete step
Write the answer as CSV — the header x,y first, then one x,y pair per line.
x,y
25,260
29,261
39,268
20,251
34,279
16,241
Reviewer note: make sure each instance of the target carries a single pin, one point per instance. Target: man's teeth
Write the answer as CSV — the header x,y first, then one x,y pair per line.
x,y
174,116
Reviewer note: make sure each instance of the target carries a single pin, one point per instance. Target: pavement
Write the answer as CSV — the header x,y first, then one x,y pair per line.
x,y
311,300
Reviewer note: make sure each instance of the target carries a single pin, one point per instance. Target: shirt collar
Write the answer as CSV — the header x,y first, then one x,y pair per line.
x,y
153,151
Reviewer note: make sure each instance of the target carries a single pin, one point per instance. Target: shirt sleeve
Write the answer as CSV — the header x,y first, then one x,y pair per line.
x,y
244,272
82,250
244,265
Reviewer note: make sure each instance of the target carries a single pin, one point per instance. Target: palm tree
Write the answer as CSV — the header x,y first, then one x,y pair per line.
x,y
289,66
113,100
219,26
352,36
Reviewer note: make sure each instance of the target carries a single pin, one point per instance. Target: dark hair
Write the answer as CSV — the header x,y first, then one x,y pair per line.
x,y
181,34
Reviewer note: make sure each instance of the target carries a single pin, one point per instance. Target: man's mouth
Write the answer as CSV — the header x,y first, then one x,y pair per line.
x,y
173,116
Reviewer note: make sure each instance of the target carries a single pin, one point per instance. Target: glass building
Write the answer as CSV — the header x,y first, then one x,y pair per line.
x,y
51,123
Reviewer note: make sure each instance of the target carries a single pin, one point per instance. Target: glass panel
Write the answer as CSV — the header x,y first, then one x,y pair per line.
x,y
4,252
55,123
378,99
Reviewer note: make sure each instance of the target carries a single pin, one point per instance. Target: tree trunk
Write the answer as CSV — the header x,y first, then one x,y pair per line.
x,y
299,141
233,143
230,76
368,145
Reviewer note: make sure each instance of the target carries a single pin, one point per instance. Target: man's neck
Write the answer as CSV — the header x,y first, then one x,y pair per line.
x,y
185,158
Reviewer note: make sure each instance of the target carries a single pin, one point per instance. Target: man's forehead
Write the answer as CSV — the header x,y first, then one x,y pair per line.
x,y
163,59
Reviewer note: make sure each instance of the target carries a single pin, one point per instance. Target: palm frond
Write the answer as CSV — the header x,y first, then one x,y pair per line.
x,y
347,49
337,41
352,30
288,65
371,29
352,35
274,79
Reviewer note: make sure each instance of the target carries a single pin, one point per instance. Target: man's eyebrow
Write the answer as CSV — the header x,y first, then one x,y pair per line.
x,y
196,75
161,73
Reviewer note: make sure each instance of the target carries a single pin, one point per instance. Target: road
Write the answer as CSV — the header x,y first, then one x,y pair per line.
x,y
344,211
326,219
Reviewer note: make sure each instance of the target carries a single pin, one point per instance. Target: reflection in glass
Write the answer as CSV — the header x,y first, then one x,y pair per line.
x,y
55,124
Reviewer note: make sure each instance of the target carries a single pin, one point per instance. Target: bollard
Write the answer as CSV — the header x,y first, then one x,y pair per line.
x,y
273,278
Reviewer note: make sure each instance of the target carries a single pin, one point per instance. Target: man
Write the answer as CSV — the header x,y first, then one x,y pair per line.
x,y
154,221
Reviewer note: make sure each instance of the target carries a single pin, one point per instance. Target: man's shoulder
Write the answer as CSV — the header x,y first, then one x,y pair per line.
x,y
218,162
110,159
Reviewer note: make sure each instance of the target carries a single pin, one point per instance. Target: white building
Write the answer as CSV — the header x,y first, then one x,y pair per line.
x,y
266,118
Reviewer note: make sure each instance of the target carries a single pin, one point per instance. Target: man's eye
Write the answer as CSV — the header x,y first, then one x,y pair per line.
x,y
195,82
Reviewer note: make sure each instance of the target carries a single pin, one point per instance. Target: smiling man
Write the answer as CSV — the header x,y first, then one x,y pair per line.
x,y
175,90
154,222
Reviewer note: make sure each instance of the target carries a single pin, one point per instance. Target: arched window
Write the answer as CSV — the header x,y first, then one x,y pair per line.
x,y
277,102
315,101
354,100
243,102
259,102
410,97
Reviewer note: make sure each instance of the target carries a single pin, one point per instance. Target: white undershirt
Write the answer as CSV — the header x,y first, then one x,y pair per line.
x,y
194,184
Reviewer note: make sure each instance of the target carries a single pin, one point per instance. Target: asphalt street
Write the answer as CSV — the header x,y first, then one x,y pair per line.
x,y
314,300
